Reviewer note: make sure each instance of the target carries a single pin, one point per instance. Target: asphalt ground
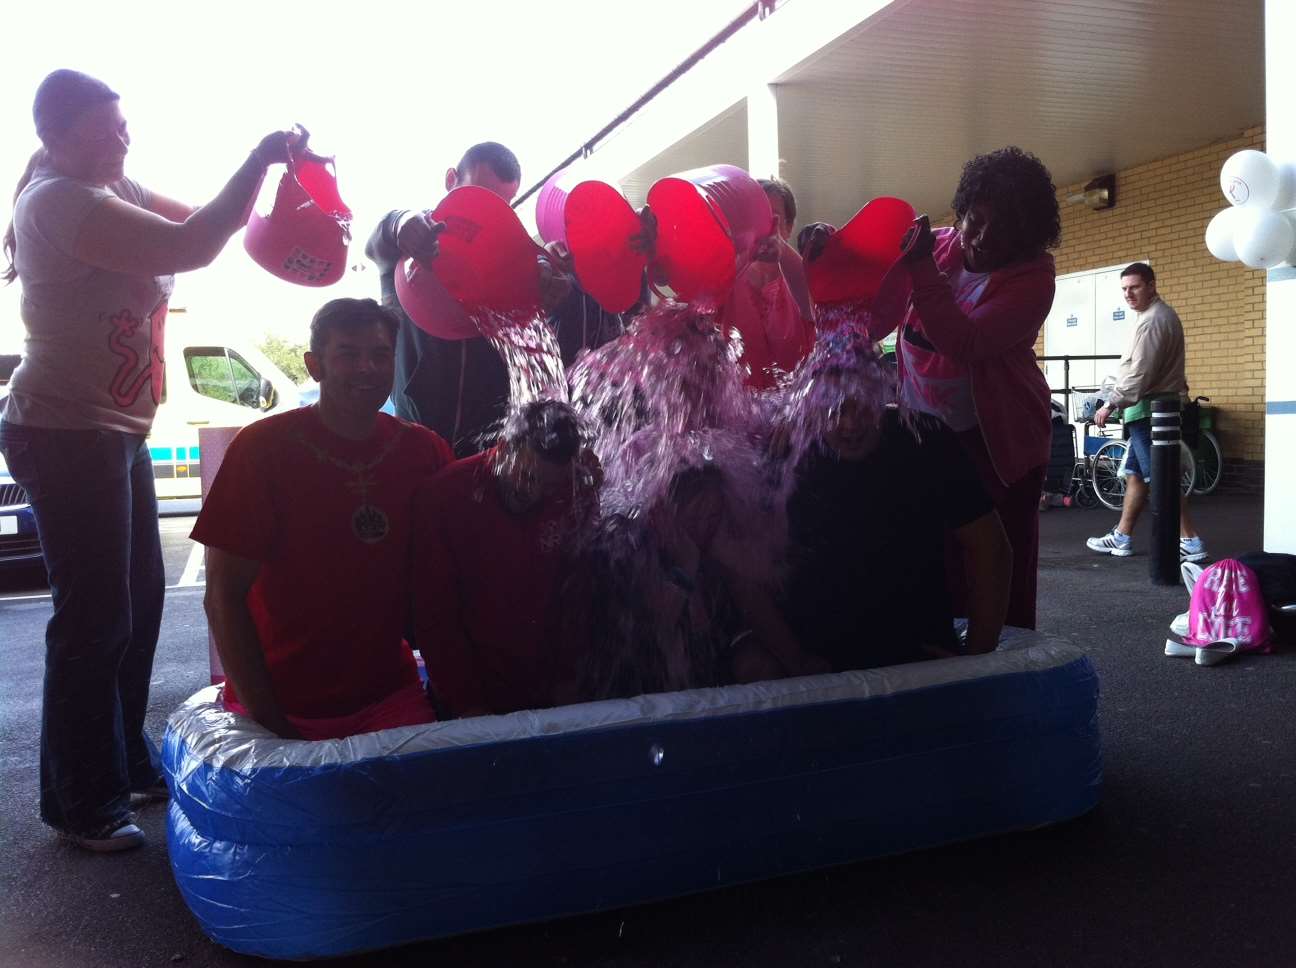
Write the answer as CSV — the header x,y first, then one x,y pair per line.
x,y
1189,861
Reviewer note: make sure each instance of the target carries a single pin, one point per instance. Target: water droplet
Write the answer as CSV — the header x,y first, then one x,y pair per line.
x,y
656,754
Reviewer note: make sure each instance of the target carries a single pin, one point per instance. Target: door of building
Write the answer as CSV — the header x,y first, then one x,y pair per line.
x,y
1089,318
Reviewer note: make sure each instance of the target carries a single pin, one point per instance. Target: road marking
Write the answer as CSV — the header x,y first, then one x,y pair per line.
x,y
192,569
182,590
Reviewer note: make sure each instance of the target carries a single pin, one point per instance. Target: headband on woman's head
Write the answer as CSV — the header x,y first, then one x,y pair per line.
x,y
61,99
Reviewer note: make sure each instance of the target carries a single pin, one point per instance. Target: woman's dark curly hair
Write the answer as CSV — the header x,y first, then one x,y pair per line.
x,y
1020,189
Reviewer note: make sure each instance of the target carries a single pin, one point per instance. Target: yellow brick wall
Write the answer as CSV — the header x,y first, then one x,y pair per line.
x,y
1161,213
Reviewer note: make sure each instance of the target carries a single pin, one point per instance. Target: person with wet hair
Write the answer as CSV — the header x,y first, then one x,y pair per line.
x,y
872,501
981,292
96,254
682,559
495,537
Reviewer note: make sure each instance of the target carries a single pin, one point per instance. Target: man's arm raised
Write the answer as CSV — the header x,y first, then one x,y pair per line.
x,y
229,578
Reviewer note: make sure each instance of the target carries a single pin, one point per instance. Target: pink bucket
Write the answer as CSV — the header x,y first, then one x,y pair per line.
x,y
707,220
551,204
486,261
429,304
304,239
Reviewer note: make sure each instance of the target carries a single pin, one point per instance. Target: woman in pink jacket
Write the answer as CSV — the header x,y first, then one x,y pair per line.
x,y
981,291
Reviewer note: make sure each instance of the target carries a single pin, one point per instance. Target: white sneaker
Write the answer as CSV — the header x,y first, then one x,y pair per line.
x,y
1112,543
1217,652
1179,626
1192,549
1190,571
1178,649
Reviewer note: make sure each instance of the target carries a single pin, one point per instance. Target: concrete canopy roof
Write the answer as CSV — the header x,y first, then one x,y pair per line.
x,y
896,102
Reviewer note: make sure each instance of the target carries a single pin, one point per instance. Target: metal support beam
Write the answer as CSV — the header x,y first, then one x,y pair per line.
x,y
763,132
757,10
1280,293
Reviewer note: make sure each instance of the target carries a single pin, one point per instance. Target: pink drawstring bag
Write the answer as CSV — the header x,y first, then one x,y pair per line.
x,y
1227,607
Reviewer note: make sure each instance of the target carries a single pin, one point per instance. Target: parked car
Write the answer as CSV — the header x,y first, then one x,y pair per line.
x,y
214,378
19,542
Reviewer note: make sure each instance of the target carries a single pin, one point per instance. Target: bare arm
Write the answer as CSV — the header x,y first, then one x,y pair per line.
x,y
229,579
762,616
122,237
169,208
987,563
1013,315
794,272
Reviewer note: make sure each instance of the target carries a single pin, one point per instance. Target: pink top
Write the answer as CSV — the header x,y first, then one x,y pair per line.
x,y
994,338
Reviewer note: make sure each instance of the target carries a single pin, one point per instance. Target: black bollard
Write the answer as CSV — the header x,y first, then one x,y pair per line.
x,y
1163,566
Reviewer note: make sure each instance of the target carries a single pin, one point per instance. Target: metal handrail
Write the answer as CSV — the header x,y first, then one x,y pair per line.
x,y
1067,389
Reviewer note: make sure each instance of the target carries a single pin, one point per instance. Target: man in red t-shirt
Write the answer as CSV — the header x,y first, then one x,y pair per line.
x,y
307,528
494,534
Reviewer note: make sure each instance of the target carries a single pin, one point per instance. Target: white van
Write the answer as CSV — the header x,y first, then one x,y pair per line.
x,y
213,379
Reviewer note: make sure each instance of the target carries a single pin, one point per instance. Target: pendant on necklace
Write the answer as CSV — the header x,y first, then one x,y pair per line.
x,y
369,523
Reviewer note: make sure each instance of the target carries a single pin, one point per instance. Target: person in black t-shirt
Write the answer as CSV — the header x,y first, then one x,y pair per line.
x,y
874,498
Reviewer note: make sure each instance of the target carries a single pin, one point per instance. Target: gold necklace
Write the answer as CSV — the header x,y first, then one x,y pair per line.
x,y
369,522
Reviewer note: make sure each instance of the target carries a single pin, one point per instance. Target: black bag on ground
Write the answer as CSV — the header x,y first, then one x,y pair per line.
x,y
1277,574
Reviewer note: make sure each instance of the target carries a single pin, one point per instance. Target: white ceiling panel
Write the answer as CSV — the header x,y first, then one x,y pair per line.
x,y
897,104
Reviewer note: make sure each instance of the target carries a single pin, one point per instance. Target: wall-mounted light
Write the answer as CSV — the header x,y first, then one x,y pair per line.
x,y
1097,194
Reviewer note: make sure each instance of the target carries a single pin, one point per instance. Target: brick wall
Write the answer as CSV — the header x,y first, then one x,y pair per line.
x,y
1161,213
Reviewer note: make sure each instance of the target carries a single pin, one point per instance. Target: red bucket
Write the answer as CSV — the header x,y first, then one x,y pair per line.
x,y
304,239
707,219
600,225
856,258
486,260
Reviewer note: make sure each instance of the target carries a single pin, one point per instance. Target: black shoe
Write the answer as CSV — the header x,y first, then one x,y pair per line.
x,y
121,834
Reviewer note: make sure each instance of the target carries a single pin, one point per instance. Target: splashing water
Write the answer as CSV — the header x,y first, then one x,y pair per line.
x,y
529,349
696,470
834,316
844,365
660,397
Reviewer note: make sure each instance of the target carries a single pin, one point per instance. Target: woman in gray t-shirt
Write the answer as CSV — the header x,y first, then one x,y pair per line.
x,y
95,253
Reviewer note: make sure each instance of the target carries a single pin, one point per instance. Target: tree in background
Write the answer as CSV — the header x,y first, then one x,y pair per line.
x,y
285,355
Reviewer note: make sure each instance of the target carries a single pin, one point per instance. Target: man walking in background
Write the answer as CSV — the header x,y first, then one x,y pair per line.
x,y
1152,368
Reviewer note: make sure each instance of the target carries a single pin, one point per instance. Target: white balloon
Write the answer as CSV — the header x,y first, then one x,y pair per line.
x,y
1263,239
1219,235
1250,178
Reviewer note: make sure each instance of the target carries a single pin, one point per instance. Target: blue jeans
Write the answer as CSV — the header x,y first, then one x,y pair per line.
x,y
96,511
1138,453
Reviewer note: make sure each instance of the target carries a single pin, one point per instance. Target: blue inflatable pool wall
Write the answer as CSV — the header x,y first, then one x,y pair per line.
x,y
290,849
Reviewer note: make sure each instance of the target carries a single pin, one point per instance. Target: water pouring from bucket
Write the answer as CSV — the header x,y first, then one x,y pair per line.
x,y
485,282
305,237
857,274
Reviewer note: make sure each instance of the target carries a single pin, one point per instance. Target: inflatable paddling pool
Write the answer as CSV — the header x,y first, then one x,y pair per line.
x,y
293,849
